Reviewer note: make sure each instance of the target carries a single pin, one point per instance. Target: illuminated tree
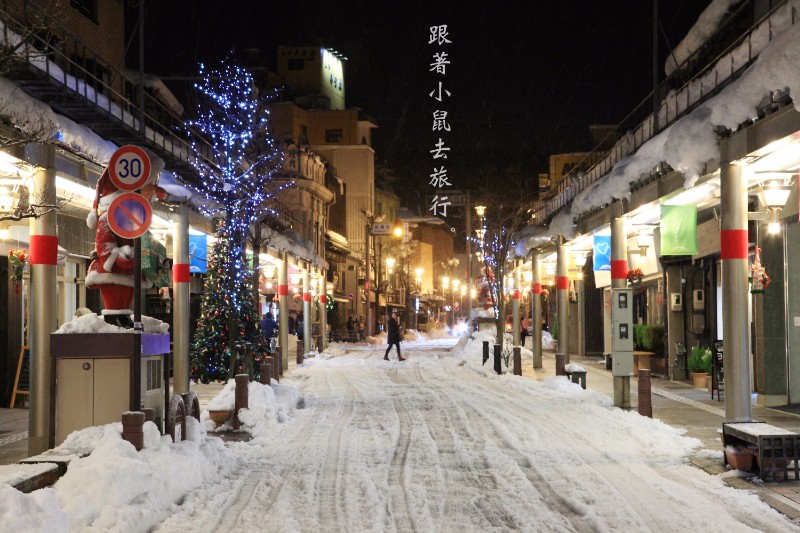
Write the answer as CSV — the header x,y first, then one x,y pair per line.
x,y
506,214
235,160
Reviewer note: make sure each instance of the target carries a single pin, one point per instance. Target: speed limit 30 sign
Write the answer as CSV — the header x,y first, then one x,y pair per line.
x,y
129,168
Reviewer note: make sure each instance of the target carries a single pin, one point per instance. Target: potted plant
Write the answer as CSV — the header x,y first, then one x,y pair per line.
x,y
699,365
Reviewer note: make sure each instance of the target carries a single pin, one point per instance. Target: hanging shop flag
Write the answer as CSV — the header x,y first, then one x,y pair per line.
x,y
602,252
197,253
678,230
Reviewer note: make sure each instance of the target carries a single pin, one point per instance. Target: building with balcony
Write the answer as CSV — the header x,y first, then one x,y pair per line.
x,y
723,141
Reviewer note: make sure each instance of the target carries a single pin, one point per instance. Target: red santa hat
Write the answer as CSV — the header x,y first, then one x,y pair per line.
x,y
104,187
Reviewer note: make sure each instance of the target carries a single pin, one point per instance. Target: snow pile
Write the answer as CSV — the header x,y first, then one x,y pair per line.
x,y
93,323
117,488
574,367
37,511
28,114
267,406
483,313
705,27
90,323
436,333
333,350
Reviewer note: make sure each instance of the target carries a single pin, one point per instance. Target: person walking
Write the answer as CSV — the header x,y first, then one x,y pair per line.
x,y
360,326
393,337
268,326
350,329
523,334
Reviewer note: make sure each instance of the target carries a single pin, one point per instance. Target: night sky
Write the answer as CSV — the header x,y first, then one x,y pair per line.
x,y
525,81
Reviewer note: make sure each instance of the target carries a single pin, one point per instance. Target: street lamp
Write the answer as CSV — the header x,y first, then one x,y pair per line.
x,y
390,261
775,194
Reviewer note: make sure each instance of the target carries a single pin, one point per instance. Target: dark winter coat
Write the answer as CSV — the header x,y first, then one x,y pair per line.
x,y
394,331
268,327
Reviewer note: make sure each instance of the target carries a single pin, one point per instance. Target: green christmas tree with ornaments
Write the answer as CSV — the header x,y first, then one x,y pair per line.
x,y
222,329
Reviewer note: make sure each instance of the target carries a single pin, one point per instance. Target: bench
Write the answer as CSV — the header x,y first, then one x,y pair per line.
x,y
777,449
576,374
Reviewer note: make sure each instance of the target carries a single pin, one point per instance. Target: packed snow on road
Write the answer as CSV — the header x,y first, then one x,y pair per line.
x,y
349,442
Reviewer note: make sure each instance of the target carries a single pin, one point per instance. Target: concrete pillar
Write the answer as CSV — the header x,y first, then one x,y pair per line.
x,y
43,305
180,296
283,311
581,318
323,310
307,318
536,309
515,300
619,280
562,301
734,258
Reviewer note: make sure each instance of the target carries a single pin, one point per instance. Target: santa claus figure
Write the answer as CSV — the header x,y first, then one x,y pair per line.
x,y
112,265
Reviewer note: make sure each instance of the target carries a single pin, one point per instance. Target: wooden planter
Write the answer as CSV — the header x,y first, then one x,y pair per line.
x,y
699,379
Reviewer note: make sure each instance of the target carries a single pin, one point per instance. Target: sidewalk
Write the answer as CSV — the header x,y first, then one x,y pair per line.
x,y
675,403
680,405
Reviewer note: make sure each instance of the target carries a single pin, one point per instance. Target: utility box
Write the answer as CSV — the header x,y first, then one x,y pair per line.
x,y
93,374
698,300
675,302
622,332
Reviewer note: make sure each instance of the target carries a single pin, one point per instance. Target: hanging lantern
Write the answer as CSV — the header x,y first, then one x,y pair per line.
x,y
759,280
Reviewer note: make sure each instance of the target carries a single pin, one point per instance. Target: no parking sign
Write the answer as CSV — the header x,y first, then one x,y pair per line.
x,y
129,215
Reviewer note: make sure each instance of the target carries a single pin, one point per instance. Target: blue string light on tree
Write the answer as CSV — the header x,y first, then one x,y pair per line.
x,y
235,160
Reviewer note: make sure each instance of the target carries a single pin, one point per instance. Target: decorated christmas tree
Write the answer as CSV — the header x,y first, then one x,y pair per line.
x,y
213,343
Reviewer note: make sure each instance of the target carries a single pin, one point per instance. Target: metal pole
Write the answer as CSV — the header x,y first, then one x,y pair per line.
x,y
619,280
306,310
470,275
323,309
734,257
180,297
283,310
536,313
141,67
562,290
136,361
515,296
368,321
655,66
43,261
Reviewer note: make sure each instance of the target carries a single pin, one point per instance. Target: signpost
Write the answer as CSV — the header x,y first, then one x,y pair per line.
x,y
381,229
129,216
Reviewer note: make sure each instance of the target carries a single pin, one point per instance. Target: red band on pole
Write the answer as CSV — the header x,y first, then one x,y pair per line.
x,y
306,296
323,299
536,288
516,294
180,273
733,244
562,283
44,250
283,290
619,269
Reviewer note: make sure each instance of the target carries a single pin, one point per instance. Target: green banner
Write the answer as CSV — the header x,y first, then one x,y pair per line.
x,y
678,230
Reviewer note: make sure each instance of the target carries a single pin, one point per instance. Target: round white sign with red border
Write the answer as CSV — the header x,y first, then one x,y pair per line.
x,y
129,215
129,168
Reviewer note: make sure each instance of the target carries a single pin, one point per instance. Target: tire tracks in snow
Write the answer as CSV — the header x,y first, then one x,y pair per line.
x,y
631,485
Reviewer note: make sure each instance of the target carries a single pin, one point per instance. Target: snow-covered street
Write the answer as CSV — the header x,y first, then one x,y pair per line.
x,y
436,444
350,442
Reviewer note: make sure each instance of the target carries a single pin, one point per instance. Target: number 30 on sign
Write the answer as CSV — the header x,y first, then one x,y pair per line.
x,y
129,168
